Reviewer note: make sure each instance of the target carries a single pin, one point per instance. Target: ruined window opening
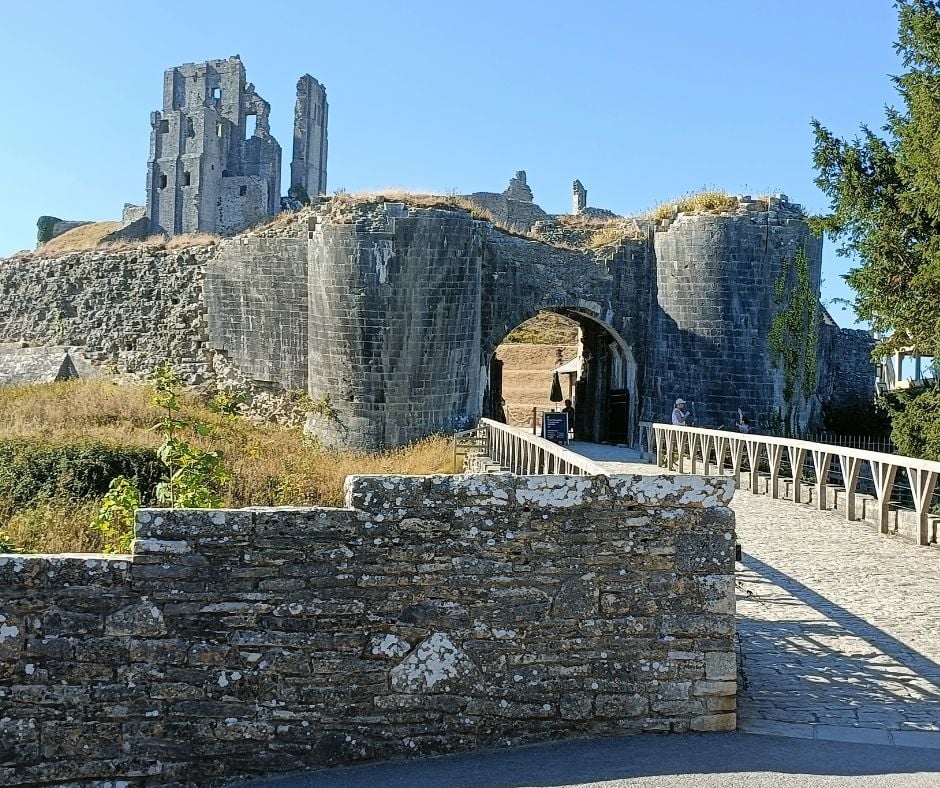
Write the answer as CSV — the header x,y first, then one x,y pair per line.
x,y
251,125
163,181
164,126
186,179
217,93
224,173
242,191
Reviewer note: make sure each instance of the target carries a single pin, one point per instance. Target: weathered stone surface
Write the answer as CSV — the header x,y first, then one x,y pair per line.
x,y
433,615
388,314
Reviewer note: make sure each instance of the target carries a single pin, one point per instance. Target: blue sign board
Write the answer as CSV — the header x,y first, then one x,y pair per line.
x,y
555,427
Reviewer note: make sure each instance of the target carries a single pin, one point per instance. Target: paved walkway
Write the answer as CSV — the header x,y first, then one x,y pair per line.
x,y
839,627
713,760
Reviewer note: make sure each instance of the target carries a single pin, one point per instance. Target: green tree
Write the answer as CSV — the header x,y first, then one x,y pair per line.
x,y
885,195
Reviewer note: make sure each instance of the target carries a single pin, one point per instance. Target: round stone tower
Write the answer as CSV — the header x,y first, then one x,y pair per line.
x,y
394,325
721,285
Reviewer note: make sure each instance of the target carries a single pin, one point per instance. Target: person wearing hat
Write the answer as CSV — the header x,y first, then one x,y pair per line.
x,y
678,413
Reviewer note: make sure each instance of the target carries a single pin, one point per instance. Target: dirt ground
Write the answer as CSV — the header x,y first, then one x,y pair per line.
x,y
527,377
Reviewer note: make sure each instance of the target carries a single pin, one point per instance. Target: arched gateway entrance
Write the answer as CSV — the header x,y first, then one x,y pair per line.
x,y
604,395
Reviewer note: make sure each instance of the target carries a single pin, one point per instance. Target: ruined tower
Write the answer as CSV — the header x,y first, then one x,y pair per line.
x,y
209,171
308,163
578,198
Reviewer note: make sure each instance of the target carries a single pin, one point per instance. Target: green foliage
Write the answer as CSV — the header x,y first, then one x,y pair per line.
x,y
44,225
323,406
32,470
7,545
195,476
794,330
115,517
299,193
915,425
885,195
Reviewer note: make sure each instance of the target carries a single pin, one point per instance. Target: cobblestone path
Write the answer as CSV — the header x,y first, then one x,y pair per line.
x,y
839,627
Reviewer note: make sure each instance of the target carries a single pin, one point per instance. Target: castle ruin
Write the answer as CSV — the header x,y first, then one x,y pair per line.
x,y
214,166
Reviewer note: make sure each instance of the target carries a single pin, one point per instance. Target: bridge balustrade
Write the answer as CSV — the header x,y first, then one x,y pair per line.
x,y
522,453
673,446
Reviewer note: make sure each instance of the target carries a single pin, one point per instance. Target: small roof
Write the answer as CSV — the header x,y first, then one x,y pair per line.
x,y
570,367
20,364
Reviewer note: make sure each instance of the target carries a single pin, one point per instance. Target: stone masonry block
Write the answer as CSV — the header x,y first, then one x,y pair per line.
x,y
721,666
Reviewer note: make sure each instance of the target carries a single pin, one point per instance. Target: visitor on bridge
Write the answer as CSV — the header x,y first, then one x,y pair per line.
x,y
744,425
679,415
568,410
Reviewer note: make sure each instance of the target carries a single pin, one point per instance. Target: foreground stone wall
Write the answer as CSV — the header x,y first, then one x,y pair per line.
x,y
434,614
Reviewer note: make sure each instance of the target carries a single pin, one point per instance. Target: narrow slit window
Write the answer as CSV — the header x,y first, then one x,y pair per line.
x,y
218,129
217,93
242,191
186,179
163,181
164,127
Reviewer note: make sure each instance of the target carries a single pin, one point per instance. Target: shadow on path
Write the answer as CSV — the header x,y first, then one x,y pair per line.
x,y
810,661
666,761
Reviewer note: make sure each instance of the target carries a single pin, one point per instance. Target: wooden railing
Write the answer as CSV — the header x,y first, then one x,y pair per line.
x,y
672,446
523,453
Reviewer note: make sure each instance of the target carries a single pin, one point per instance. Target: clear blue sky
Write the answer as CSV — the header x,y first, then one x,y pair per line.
x,y
641,100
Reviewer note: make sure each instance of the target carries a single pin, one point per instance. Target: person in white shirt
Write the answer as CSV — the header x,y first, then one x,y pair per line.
x,y
678,413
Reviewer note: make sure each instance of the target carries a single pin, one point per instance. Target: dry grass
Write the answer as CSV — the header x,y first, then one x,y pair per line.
x,y
341,207
88,236
585,222
546,328
52,527
711,201
270,465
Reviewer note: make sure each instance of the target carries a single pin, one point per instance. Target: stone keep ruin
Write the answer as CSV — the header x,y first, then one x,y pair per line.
x,y
214,166
208,172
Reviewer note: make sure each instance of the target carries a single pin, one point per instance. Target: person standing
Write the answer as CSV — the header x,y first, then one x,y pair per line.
x,y
568,410
679,415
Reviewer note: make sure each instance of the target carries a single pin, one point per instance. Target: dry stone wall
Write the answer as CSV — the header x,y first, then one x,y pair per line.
x,y
431,615
132,309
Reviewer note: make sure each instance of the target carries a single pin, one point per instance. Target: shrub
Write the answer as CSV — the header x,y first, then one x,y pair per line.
x,y
915,421
32,469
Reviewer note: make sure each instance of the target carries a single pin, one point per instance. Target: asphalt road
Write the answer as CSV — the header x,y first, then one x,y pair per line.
x,y
676,761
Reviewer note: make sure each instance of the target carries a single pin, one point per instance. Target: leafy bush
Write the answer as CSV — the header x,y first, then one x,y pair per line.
x,y
44,225
915,421
32,469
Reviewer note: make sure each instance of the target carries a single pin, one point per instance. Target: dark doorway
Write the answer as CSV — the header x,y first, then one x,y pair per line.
x,y
618,416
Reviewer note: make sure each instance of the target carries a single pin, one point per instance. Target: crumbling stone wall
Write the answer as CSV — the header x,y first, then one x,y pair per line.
x,y
256,299
432,615
132,309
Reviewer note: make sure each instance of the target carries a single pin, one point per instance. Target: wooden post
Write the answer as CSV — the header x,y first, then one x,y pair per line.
x,y
797,457
821,461
883,473
922,485
850,467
